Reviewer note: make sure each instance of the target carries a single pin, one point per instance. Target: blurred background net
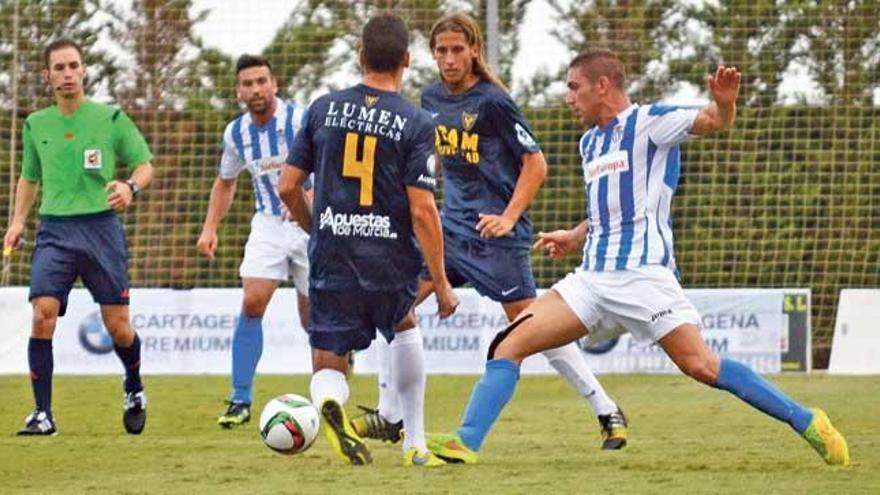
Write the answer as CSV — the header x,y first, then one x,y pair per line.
x,y
789,198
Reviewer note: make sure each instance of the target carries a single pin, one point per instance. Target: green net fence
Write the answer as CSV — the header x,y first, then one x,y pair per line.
x,y
789,198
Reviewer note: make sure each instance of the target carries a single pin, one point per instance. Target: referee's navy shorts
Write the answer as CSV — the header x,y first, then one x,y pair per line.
x,y
92,247
347,320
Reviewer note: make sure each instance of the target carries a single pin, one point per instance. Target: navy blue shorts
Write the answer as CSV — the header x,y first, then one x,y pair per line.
x,y
92,247
501,273
346,320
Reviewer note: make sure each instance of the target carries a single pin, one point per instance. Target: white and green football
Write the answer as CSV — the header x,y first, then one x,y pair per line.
x,y
289,424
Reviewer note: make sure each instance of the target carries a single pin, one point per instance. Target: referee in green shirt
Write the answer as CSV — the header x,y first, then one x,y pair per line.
x,y
72,149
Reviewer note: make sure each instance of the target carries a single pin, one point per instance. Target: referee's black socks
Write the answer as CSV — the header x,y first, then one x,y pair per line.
x,y
131,359
41,364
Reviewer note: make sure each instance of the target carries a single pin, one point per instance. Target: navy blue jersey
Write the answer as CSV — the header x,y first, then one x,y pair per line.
x,y
481,137
364,147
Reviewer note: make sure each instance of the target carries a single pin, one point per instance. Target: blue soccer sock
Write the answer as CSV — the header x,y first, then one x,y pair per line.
x,y
131,360
762,395
489,397
41,364
247,347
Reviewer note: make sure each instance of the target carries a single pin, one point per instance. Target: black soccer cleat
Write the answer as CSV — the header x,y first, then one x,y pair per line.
x,y
237,414
134,416
614,430
371,424
38,423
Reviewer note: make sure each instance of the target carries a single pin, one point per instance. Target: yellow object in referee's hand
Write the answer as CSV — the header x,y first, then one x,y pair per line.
x,y
7,251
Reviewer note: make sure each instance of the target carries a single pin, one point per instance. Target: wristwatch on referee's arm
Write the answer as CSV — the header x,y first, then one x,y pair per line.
x,y
135,188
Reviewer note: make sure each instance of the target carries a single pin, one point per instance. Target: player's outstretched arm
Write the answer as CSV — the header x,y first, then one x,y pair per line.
x,y
222,194
561,243
532,175
426,224
720,113
25,195
290,188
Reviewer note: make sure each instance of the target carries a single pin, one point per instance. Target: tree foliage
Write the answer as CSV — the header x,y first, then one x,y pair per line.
x,y
39,23
664,43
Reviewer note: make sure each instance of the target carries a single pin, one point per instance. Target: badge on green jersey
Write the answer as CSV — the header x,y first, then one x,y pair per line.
x,y
92,159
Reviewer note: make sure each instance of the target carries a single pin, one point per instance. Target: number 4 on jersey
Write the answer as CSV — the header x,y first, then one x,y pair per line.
x,y
362,169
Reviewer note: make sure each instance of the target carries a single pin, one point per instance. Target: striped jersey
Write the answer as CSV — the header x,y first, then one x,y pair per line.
x,y
631,169
262,150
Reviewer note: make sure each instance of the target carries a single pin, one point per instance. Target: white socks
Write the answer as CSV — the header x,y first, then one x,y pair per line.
x,y
408,363
328,384
569,362
389,401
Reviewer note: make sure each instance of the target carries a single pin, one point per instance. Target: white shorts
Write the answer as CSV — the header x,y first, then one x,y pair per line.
x,y
277,250
647,301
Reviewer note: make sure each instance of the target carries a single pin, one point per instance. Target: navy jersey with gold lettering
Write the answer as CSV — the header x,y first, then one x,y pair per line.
x,y
364,146
481,137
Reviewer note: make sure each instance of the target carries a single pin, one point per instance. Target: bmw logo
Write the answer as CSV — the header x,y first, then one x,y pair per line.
x,y
600,348
93,336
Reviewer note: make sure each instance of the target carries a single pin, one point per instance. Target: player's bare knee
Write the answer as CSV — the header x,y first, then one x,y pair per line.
x,y
44,320
700,368
510,351
119,328
43,326
116,321
254,305
323,359
501,348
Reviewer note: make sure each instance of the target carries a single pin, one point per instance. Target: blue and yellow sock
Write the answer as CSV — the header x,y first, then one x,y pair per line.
x,y
131,360
488,399
762,395
247,347
41,363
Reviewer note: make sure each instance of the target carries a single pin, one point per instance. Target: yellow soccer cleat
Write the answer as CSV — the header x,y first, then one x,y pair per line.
x,y
413,457
827,441
450,448
342,437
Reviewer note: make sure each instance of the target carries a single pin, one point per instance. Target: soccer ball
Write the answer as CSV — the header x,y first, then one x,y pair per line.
x,y
289,424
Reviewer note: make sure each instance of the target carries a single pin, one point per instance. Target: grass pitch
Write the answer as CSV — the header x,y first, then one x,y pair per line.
x,y
685,438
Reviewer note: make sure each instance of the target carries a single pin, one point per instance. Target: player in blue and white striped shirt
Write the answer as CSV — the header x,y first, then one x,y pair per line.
x,y
258,140
631,170
631,161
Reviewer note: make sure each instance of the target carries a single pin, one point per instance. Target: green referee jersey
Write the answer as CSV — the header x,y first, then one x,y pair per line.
x,y
75,156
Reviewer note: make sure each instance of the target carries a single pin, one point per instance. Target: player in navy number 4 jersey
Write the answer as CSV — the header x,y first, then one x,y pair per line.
x,y
371,153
